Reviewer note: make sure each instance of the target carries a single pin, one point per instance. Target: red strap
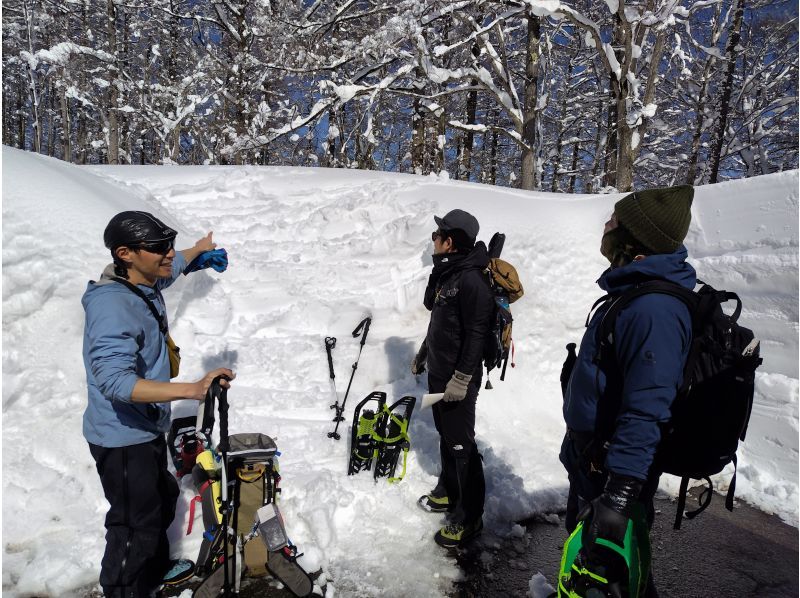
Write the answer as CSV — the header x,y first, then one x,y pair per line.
x,y
196,499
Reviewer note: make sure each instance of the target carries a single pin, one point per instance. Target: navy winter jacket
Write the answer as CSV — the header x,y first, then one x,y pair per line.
x,y
651,338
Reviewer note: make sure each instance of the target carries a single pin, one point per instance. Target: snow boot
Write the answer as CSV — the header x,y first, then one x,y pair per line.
x,y
434,504
180,570
436,501
456,535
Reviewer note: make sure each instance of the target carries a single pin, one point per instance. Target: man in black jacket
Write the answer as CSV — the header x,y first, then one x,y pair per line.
x,y
461,305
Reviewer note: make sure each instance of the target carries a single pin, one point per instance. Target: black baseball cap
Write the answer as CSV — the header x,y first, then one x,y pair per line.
x,y
459,220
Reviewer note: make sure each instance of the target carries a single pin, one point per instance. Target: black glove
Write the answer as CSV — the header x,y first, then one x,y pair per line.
x,y
418,363
607,517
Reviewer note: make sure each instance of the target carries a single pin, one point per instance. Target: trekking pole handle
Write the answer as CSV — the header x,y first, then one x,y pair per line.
x,y
216,389
365,325
330,344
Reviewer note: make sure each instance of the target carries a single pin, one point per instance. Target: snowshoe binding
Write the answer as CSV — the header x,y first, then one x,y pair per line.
x,y
363,440
393,438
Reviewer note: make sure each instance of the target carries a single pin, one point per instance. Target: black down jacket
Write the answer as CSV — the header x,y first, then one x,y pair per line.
x,y
461,305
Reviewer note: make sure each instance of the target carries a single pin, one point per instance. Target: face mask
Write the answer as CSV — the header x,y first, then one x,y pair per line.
x,y
611,245
619,248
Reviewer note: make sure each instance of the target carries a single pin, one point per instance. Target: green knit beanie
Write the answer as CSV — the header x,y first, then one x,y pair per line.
x,y
657,218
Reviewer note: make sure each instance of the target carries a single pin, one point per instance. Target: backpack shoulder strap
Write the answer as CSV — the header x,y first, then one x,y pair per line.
x,y
605,356
606,329
600,301
137,291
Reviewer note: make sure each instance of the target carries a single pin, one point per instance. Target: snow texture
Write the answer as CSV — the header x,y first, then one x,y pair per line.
x,y
312,251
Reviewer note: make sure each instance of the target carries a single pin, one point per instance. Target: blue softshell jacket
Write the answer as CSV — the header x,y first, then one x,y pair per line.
x,y
652,336
121,344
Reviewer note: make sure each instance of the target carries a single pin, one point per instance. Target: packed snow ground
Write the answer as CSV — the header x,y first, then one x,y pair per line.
x,y
312,251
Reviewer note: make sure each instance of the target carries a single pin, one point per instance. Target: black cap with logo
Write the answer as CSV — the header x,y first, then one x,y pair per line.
x,y
459,220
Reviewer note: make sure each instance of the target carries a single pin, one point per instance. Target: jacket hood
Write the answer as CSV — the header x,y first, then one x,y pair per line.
x,y
662,266
106,277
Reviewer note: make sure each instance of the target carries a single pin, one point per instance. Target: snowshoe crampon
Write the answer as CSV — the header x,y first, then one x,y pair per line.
x,y
393,438
363,443
575,580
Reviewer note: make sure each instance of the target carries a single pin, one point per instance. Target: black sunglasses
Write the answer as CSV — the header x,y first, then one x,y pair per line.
x,y
438,234
159,247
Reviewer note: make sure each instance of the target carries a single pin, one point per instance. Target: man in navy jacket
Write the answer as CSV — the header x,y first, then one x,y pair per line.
x,y
643,241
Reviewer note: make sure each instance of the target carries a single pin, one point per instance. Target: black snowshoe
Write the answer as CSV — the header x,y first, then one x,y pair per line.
x,y
380,434
363,438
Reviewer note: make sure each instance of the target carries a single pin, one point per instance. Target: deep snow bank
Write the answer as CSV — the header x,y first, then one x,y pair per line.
x,y
312,251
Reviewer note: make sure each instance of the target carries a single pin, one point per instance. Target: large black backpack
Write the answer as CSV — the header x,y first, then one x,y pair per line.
x,y
712,409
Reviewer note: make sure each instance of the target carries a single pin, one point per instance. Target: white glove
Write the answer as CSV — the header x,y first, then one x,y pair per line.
x,y
456,389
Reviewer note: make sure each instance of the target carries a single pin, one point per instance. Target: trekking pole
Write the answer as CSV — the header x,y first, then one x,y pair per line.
x,y
362,326
330,345
216,391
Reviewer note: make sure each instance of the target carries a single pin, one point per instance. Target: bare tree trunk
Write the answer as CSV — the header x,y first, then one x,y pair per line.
x,y
493,153
52,94
66,131
80,119
34,96
468,139
22,119
172,69
113,99
599,150
610,161
7,127
417,138
529,114
561,127
694,155
439,161
573,168
623,179
731,54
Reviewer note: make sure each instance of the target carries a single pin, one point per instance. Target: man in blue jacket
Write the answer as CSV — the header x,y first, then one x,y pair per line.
x,y
127,365
609,457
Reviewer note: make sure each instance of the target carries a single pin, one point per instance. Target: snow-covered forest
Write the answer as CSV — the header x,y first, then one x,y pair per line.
x,y
575,96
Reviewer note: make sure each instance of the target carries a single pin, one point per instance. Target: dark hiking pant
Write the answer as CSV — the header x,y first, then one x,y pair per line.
x,y
462,467
587,483
143,495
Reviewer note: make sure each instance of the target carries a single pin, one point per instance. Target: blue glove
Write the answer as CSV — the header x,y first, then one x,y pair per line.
x,y
216,258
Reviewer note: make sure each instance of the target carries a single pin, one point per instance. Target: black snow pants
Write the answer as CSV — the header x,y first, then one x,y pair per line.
x,y
143,495
462,467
